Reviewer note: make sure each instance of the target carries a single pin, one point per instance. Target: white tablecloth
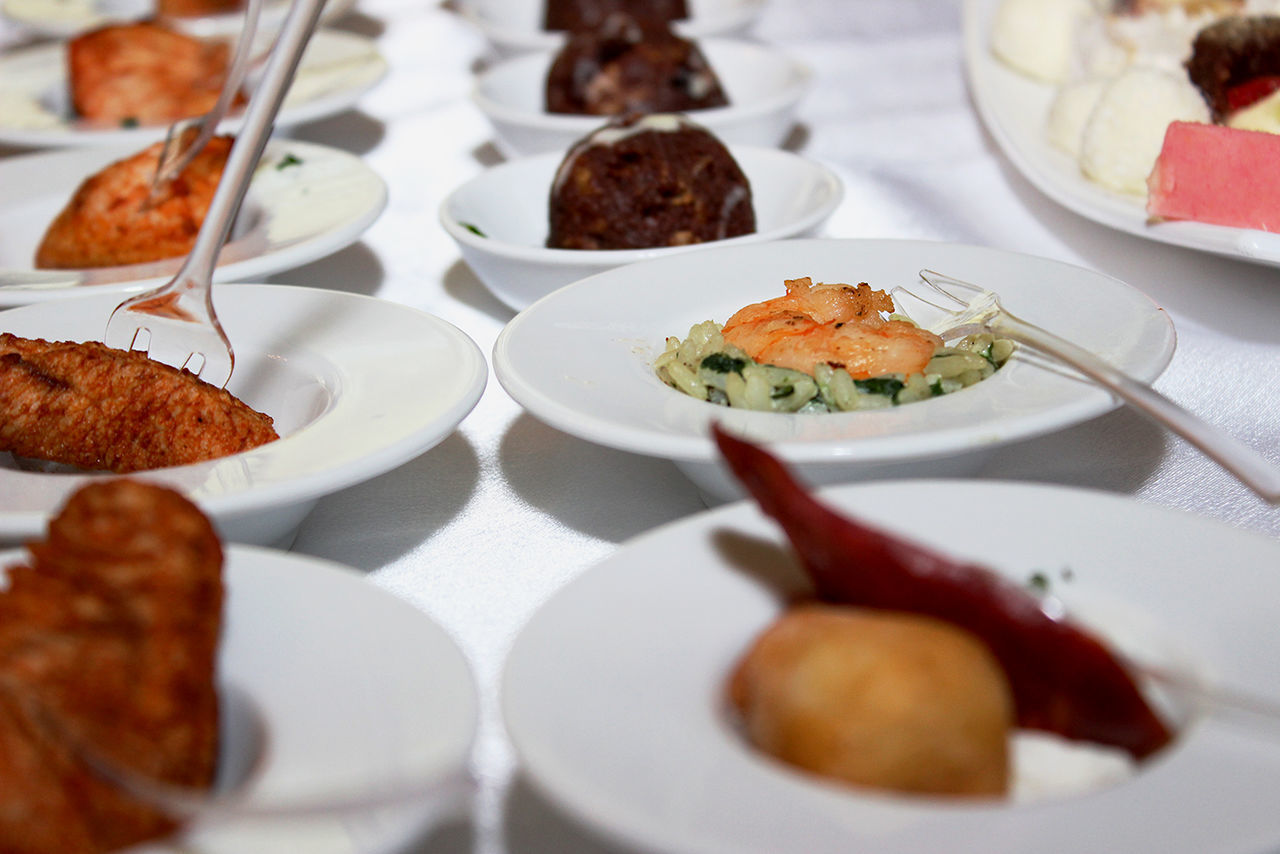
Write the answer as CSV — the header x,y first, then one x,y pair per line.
x,y
484,528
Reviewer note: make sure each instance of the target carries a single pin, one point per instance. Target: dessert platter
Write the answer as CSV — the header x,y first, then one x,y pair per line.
x,y
632,734
1016,110
306,201
336,70
763,85
599,383
330,368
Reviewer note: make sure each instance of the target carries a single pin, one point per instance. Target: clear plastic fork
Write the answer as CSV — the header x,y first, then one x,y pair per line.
x,y
187,137
176,323
973,308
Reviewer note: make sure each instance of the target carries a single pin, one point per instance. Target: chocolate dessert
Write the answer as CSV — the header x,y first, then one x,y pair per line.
x,y
639,182
589,14
1236,61
631,66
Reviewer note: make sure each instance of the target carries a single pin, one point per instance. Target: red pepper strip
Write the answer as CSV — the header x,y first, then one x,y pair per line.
x,y
1063,680
1252,91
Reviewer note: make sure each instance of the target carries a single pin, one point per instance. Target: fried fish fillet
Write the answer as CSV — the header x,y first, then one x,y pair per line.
x,y
108,223
108,640
143,72
88,405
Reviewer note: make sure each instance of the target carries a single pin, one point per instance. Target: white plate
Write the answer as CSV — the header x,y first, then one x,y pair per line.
x,y
793,197
581,359
65,18
613,693
292,214
342,694
1015,109
515,26
35,108
356,385
764,86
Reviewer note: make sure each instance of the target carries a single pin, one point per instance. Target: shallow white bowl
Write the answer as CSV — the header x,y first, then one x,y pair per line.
x,y
515,26
764,86
793,197
335,71
581,358
347,715
292,215
356,385
614,693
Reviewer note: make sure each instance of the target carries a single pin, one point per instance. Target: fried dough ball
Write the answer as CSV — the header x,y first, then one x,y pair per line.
x,y
145,73
107,224
877,698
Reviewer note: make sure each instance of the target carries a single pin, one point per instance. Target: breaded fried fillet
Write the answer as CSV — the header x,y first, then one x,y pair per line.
x,y
143,72
107,222
108,642
90,406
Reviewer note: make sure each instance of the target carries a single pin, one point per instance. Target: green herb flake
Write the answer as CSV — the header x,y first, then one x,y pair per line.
x,y
287,161
723,363
884,386
779,392
1039,582
474,229
129,122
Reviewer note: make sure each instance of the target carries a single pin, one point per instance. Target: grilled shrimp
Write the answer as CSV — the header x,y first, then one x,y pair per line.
x,y
840,325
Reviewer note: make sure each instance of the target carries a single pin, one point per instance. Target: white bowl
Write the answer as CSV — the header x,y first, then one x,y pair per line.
x,y
356,385
515,26
764,86
581,358
325,681
793,197
614,692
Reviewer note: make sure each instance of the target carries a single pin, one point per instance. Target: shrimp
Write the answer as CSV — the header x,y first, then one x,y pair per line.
x,y
840,325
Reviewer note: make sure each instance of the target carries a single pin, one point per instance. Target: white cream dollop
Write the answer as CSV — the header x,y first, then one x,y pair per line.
x,y
1125,131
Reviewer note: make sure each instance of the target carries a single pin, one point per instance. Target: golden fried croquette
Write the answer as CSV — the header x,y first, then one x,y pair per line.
x,y
878,698
107,222
91,406
144,72
108,640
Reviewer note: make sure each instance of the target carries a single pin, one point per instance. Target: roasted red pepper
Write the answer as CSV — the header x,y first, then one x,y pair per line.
x,y
1244,94
1063,680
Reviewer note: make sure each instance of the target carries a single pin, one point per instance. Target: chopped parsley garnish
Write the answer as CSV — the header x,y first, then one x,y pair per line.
x,y
780,391
287,161
723,363
1038,582
129,122
886,386
936,388
473,229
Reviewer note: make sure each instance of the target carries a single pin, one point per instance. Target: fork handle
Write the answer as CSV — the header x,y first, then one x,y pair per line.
x,y
252,138
1250,467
